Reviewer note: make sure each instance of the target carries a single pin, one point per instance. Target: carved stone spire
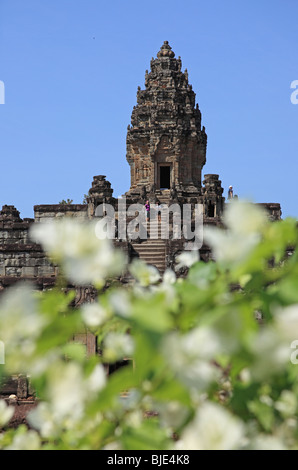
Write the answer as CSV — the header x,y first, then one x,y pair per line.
x,y
9,213
166,145
165,51
100,190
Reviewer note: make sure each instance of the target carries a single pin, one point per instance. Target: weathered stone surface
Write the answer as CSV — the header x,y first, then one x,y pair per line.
x,y
51,211
166,144
273,210
212,196
99,193
22,390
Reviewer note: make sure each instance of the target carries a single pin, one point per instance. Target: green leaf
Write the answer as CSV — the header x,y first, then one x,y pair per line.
x,y
148,436
264,413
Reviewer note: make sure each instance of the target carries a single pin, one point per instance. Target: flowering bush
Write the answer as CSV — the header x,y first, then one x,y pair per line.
x,y
210,360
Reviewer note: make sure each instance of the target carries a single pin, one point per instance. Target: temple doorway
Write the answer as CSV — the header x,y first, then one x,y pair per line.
x,y
165,177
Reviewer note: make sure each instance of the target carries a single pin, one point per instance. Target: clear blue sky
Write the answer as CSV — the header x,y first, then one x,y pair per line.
x,y
71,71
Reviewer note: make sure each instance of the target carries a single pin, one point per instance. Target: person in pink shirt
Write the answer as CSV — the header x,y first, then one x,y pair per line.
x,y
147,207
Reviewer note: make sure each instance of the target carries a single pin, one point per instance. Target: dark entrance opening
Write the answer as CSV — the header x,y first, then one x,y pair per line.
x,y
165,177
210,210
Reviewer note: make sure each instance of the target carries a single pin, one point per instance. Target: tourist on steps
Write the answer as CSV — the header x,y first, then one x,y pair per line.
x,y
147,207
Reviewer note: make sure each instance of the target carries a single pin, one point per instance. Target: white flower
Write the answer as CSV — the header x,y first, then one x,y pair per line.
x,y
118,346
271,354
68,393
244,222
229,247
120,303
94,314
86,259
172,414
40,364
213,428
66,390
20,326
134,418
190,356
245,376
114,445
6,413
186,259
266,399
96,381
167,286
145,274
287,404
286,322
243,217
265,442
28,440
169,277
202,342
44,420
19,319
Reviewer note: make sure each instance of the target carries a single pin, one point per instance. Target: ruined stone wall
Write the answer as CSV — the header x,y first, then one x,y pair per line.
x,y
52,211
20,257
273,210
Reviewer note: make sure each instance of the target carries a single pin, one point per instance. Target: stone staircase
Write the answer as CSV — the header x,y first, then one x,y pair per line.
x,y
152,251
163,196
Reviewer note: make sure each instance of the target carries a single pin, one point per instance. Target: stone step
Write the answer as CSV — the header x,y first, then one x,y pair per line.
x,y
160,268
150,256
153,234
154,230
154,241
164,199
151,241
158,234
152,249
153,257
152,245
162,192
151,252
149,249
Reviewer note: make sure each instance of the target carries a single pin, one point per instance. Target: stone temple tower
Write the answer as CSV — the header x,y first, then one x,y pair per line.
x,y
166,151
166,143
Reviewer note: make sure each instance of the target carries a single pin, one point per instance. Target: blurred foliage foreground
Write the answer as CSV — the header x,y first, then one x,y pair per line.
x,y
212,358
